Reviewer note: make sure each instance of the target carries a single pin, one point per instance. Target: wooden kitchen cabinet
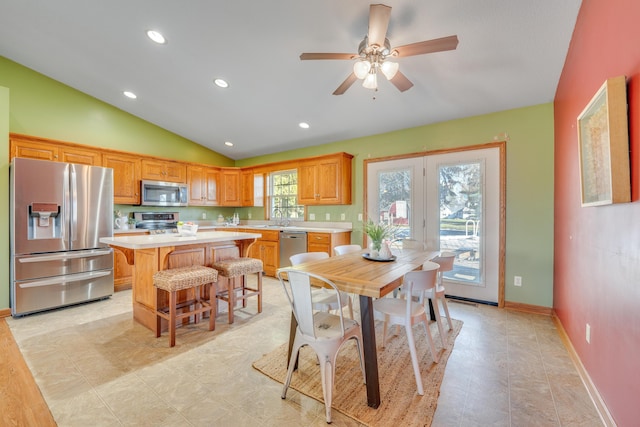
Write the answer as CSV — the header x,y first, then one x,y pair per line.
x,y
122,272
203,185
246,187
126,177
35,148
80,156
325,180
230,193
164,170
267,249
32,150
325,242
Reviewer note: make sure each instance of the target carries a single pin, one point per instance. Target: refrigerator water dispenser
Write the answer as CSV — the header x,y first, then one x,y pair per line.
x,y
45,221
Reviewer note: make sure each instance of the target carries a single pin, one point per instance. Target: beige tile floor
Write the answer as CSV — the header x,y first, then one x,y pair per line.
x,y
96,366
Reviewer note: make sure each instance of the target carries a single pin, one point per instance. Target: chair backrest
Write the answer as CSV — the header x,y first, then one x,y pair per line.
x,y
297,287
418,281
445,261
345,249
307,256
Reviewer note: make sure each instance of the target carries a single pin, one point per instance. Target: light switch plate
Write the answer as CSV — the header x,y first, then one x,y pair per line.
x,y
359,217
327,216
312,217
343,217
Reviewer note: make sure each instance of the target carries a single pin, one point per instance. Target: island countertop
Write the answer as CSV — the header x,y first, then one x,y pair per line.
x,y
174,239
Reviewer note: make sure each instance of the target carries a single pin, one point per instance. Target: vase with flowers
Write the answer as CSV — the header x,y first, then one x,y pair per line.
x,y
378,233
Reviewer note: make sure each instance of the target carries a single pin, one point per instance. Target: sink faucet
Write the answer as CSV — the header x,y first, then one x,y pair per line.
x,y
282,220
277,212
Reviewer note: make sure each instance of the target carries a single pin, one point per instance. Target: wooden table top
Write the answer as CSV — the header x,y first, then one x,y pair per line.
x,y
355,274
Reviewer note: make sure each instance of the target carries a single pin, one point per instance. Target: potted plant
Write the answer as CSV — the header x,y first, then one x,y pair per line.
x,y
377,233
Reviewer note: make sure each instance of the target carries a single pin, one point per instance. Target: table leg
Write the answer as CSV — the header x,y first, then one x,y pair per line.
x,y
369,348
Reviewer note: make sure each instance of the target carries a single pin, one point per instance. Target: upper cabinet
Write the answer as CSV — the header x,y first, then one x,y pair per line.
x,y
35,148
230,193
322,180
203,185
80,156
164,170
126,177
325,180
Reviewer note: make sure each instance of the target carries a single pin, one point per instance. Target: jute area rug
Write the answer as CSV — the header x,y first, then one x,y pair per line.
x,y
400,403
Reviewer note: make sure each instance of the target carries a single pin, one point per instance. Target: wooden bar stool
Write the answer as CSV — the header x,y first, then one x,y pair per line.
x,y
194,277
238,268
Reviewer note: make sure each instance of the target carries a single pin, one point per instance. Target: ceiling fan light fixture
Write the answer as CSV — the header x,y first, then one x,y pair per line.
x,y
361,69
156,36
371,81
389,69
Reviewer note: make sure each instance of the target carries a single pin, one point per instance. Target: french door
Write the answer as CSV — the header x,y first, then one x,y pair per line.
x,y
450,202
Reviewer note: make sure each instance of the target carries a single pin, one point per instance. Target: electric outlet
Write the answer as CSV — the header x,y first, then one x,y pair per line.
x,y
249,215
588,333
312,217
342,217
204,215
517,281
359,217
327,216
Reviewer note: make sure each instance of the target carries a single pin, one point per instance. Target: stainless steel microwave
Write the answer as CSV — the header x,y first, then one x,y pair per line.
x,y
159,193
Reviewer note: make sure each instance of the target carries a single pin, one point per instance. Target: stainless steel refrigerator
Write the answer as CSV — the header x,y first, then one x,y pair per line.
x,y
59,211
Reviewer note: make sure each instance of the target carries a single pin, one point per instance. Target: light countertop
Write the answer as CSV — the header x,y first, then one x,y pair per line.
x,y
173,239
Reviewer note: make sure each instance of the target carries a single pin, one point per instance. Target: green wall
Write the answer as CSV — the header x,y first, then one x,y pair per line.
x,y
529,134
43,107
4,194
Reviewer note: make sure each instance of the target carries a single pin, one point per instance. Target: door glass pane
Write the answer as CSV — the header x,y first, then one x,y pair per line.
x,y
394,200
460,195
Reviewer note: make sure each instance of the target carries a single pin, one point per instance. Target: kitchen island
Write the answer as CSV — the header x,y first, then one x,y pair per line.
x,y
151,253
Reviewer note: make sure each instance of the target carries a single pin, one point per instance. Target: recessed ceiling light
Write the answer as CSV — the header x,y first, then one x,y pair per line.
x,y
221,83
156,36
130,94
304,125
228,144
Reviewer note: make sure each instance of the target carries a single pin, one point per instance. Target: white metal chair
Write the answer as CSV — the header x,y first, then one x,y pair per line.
x,y
445,261
345,249
322,299
324,332
407,312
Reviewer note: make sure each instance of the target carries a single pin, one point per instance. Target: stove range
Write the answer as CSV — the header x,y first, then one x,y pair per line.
x,y
157,222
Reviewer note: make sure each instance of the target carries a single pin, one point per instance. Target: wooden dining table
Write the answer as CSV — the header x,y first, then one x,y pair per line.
x,y
369,279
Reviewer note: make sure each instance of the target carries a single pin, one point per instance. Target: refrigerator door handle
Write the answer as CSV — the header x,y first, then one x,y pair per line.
x,y
74,204
57,281
66,255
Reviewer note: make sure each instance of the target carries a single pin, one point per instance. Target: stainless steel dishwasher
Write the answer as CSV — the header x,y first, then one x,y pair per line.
x,y
291,243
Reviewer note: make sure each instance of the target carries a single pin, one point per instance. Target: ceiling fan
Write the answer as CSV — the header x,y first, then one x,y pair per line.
x,y
374,53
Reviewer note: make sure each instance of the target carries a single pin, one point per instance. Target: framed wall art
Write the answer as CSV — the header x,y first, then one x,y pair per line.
x,y
603,138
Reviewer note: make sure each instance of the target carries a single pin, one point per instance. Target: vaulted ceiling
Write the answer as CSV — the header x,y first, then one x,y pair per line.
x,y
510,54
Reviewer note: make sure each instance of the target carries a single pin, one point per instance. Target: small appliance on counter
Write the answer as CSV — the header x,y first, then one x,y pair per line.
x,y
59,211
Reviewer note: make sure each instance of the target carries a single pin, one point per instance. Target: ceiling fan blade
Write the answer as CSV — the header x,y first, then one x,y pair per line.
x,y
401,82
305,56
379,15
428,46
345,84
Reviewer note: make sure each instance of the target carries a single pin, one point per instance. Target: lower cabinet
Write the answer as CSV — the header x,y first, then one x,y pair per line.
x,y
325,242
122,272
267,249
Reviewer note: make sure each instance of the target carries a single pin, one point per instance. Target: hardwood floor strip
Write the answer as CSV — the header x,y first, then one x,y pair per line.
x,y
21,403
